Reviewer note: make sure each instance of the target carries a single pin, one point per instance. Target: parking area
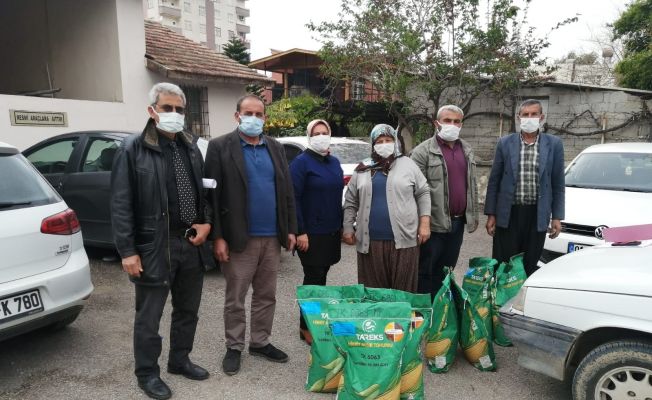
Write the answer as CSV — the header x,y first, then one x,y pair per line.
x,y
93,357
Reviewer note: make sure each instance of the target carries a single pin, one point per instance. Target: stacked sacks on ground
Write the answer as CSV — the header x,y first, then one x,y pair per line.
x,y
325,362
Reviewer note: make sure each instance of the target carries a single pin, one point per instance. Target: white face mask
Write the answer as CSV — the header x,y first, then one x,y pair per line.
x,y
530,125
449,132
170,122
384,149
320,143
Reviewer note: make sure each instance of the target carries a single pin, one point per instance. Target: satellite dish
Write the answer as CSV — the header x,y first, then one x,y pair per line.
x,y
607,52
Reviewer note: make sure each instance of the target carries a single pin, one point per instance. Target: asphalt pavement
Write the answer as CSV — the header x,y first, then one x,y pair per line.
x,y
92,358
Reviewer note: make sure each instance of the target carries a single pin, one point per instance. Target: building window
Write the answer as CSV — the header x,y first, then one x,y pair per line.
x,y
150,3
358,89
243,36
231,18
202,28
187,7
197,110
218,14
188,25
202,11
218,32
231,34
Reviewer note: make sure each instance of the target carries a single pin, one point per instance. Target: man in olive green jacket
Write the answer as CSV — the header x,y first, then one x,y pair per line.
x,y
448,164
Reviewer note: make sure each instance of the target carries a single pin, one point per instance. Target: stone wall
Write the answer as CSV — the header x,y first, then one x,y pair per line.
x,y
579,110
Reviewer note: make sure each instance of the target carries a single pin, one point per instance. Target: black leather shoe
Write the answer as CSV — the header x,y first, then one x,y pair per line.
x,y
155,388
189,370
231,362
269,352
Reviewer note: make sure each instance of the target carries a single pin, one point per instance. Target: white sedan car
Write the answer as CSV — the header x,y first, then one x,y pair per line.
x,y
587,318
607,186
350,152
44,274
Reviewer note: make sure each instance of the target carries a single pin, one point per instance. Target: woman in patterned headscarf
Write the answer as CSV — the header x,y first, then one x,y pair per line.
x,y
387,215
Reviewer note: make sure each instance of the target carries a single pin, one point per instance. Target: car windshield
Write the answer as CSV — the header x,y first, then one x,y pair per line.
x,y
351,153
21,185
611,171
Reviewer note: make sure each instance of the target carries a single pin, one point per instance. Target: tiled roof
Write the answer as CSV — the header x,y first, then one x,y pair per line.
x,y
175,56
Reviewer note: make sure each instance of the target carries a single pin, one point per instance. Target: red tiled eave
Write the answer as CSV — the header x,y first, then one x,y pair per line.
x,y
175,56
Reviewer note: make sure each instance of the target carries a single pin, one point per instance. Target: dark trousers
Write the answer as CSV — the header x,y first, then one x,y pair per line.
x,y
313,275
186,281
441,250
520,236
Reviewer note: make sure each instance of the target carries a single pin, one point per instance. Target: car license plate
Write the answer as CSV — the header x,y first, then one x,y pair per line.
x,y
576,246
20,305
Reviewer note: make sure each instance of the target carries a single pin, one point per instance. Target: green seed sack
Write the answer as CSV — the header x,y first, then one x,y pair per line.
x,y
443,334
474,339
372,338
509,278
325,362
412,361
478,283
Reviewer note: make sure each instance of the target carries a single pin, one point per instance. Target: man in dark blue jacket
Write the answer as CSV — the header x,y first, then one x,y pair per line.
x,y
526,189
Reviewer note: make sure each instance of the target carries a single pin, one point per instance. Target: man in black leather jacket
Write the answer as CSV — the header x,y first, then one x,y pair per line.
x,y
161,220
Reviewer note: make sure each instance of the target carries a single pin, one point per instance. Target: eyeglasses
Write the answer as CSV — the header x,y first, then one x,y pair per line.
x,y
169,108
451,121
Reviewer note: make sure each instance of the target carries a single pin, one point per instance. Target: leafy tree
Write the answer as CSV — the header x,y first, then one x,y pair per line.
x,y
236,50
634,28
449,50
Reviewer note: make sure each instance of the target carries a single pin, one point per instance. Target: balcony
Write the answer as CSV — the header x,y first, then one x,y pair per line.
x,y
173,27
170,11
242,12
242,28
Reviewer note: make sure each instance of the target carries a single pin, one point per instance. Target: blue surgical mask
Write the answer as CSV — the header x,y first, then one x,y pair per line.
x,y
251,125
170,122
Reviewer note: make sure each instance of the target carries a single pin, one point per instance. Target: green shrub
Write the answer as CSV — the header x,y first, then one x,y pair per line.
x,y
290,116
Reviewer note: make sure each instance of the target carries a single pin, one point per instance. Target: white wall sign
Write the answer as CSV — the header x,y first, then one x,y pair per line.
x,y
38,118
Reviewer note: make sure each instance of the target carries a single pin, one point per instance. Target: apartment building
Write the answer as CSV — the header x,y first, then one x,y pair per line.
x,y
90,64
209,22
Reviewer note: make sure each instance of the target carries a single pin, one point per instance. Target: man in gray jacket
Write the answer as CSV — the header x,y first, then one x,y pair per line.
x,y
448,164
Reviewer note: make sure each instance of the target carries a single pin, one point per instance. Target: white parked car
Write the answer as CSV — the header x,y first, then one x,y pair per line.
x,y
587,318
44,274
350,152
607,186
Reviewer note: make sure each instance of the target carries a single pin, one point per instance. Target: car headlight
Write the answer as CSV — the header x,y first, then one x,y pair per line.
x,y
518,305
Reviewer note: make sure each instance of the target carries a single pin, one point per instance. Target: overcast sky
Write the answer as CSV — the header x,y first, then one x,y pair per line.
x,y
280,24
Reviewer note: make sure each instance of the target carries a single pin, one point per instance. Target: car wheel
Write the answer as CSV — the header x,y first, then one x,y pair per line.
x,y
61,324
615,371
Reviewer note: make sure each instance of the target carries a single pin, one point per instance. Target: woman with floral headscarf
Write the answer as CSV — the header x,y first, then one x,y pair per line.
x,y
387,215
318,183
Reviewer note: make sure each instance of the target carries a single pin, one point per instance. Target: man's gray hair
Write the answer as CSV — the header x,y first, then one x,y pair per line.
x,y
450,107
530,102
165,88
